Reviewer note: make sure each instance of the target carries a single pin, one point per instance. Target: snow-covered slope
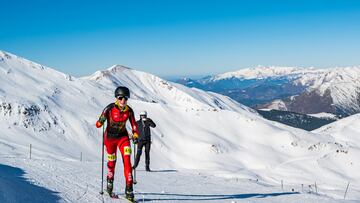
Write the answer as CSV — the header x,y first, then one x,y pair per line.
x,y
43,106
345,130
196,130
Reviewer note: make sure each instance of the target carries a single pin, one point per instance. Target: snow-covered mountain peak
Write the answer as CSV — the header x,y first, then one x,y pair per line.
x,y
98,75
118,68
26,69
150,88
22,77
340,81
4,55
12,61
261,72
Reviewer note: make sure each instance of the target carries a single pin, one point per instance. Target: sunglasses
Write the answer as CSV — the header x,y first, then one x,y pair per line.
x,y
121,98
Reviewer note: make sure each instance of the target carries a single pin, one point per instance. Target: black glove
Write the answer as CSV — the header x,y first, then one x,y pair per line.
x,y
102,119
135,140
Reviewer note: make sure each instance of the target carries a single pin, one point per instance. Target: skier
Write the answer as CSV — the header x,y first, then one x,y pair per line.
x,y
144,139
116,136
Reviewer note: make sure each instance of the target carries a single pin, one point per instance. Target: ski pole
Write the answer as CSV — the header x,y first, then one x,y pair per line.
x,y
102,164
134,162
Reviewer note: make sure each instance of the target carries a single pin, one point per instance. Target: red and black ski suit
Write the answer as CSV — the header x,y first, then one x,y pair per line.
x,y
116,136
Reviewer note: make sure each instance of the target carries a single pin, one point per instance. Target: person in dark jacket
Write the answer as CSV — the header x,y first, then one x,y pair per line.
x,y
144,139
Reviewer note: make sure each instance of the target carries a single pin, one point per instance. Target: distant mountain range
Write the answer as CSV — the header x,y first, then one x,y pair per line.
x,y
300,90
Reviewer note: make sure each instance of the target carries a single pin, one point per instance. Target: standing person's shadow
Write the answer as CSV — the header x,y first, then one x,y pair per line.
x,y
196,197
15,188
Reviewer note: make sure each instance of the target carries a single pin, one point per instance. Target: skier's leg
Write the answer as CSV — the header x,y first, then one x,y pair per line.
x,y
125,149
138,154
111,157
124,146
147,155
111,154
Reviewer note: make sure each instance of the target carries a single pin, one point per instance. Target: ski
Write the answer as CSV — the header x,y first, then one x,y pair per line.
x,y
116,196
129,200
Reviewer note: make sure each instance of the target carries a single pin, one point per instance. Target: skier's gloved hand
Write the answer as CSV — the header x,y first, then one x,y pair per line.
x,y
135,136
101,121
98,124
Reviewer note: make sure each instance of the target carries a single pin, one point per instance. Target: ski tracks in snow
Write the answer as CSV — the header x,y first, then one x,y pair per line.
x,y
76,181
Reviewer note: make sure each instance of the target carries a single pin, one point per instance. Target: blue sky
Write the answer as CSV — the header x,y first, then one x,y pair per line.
x,y
168,37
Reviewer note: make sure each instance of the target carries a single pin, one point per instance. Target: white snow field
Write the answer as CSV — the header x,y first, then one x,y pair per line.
x,y
205,148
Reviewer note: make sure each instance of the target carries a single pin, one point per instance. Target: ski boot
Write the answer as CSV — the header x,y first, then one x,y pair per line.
x,y
134,166
110,186
129,193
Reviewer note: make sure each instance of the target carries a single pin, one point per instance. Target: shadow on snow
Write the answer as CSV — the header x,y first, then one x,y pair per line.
x,y
204,197
163,171
14,187
160,171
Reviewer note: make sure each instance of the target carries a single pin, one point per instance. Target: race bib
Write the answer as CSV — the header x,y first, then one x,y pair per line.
x,y
127,150
111,157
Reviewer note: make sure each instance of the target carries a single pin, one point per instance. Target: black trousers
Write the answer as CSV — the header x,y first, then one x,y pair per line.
x,y
140,145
